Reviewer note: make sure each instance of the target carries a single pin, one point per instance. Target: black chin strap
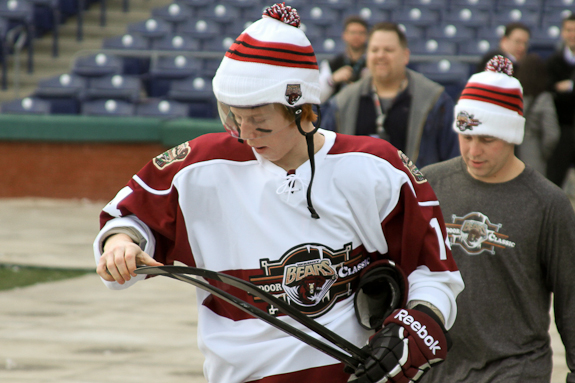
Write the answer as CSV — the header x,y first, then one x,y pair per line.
x,y
311,154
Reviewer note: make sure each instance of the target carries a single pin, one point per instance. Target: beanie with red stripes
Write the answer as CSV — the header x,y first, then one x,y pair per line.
x,y
491,104
272,61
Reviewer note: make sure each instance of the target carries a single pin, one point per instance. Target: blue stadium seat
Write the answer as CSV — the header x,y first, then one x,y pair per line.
x,y
328,45
160,108
438,5
47,18
217,44
177,43
197,93
415,16
483,5
199,29
477,47
433,47
412,32
196,5
132,63
530,5
222,14
467,17
558,4
491,32
388,5
168,68
117,87
505,16
337,5
249,9
174,14
450,32
322,17
546,40
152,29
313,31
452,75
108,108
554,16
21,12
371,15
97,65
65,93
26,105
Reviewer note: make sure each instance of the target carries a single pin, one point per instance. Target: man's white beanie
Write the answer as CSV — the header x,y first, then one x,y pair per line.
x,y
272,61
491,104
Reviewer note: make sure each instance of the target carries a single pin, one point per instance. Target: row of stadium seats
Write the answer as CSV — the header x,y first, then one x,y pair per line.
x,y
173,55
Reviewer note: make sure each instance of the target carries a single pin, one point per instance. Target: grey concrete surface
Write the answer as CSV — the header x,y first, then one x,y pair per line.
x,y
78,331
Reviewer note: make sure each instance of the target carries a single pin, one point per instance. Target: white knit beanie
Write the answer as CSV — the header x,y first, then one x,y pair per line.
x,y
272,61
491,104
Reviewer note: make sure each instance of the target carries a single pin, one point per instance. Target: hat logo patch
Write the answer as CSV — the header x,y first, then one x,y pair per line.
x,y
466,121
293,93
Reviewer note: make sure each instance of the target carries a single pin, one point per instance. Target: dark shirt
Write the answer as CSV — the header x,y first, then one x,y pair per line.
x,y
342,60
395,121
558,70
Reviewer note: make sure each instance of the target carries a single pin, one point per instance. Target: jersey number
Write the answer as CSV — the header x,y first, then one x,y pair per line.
x,y
435,224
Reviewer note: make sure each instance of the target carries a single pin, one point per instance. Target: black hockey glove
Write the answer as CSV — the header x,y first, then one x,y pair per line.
x,y
409,344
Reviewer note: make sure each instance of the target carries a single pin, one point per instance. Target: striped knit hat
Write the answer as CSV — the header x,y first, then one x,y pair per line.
x,y
491,104
272,61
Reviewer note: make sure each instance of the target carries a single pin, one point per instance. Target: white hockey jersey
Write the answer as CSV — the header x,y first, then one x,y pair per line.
x,y
214,203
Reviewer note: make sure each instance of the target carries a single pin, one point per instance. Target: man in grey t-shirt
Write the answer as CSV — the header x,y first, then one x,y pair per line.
x,y
512,234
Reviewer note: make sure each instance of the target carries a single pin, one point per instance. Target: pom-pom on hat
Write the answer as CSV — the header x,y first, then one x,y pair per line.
x,y
491,104
272,61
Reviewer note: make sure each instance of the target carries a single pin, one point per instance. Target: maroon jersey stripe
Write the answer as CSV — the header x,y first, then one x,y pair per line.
x,y
507,98
246,48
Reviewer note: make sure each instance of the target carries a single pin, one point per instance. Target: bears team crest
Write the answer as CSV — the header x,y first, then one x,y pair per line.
x,y
311,277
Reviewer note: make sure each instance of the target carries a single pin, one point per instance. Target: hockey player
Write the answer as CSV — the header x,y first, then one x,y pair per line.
x,y
303,213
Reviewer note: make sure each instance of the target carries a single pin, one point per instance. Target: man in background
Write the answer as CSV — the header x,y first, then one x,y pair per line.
x,y
513,45
348,66
511,235
561,70
395,103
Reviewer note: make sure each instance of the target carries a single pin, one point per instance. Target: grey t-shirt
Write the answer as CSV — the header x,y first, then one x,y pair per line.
x,y
514,243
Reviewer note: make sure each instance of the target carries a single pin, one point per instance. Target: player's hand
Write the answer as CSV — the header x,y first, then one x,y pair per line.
x,y
120,258
342,75
404,349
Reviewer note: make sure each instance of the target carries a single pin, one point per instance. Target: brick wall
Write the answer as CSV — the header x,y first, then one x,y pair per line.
x,y
95,171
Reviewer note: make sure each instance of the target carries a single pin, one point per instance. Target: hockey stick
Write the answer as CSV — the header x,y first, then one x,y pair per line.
x,y
176,272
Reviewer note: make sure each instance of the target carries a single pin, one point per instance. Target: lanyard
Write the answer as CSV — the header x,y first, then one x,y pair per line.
x,y
379,115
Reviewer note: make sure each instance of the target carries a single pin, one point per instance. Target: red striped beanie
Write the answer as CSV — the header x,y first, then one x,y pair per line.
x,y
272,61
491,104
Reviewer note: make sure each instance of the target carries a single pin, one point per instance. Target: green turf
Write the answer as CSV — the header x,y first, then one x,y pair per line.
x,y
18,276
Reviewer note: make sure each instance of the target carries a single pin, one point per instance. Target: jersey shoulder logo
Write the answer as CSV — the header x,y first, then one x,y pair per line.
x,y
415,172
475,233
311,277
176,154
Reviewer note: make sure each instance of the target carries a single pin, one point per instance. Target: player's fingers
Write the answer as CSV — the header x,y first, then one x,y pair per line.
x,y
102,270
145,259
125,260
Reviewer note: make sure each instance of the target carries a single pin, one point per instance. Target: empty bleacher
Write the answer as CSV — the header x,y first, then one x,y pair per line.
x,y
162,62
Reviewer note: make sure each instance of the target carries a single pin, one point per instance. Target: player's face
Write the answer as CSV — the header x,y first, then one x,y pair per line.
x,y
268,130
516,43
386,58
488,159
568,34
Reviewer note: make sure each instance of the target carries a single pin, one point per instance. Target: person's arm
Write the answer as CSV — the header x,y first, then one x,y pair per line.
x,y
550,130
120,257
